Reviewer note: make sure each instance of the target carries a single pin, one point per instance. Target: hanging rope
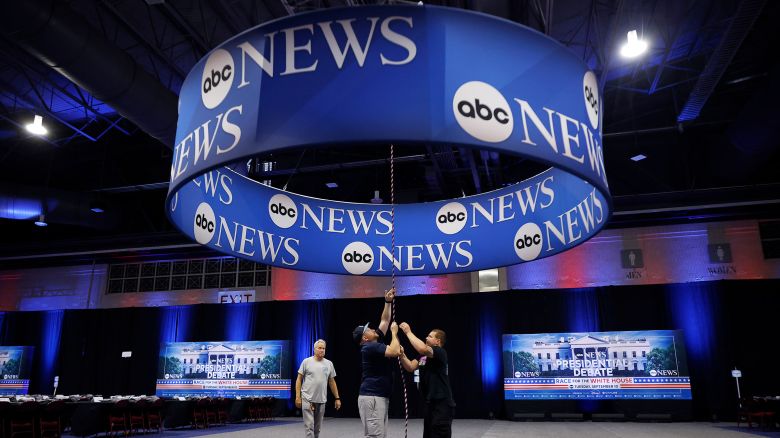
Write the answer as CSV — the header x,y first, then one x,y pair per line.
x,y
392,249
392,215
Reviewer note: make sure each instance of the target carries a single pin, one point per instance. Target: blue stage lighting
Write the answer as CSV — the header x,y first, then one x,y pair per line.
x,y
50,348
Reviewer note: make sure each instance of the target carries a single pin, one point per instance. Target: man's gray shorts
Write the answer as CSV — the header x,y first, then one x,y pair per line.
x,y
373,414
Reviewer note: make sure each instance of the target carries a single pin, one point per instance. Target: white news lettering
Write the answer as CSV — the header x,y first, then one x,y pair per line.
x,y
339,220
209,185
245,240
222,137
298,49
417,257
586,214
569,130
502,208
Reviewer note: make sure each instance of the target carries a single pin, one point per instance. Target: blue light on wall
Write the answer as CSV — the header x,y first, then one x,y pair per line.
x,y
175,324
309,326
240,321
19,208
583,310
489,354
50,348
693,307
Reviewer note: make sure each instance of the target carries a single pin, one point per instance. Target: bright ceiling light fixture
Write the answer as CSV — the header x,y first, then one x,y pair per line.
x,y
36,127
633,47
639,157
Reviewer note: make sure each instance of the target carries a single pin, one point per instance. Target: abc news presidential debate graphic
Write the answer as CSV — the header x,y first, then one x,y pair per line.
x,y
15,368
224,369
597,365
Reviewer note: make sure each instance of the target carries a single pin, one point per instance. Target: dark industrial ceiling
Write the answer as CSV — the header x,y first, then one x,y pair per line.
x,y
700,105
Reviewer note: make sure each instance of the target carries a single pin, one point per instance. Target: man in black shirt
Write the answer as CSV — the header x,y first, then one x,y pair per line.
x,y
438,403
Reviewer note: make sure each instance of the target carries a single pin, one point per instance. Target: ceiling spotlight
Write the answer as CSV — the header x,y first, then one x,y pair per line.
x,y
331,185
633,47
41,222
36,127
376,199
639,157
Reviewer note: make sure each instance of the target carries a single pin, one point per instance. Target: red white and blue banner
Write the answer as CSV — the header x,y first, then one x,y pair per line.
x,y
224,369
596,365
15,365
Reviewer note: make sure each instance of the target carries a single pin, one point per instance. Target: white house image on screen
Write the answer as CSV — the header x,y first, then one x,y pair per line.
x,y
624,354
248,358
5,356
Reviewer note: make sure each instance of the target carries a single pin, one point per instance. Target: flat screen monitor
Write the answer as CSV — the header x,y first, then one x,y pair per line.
x,y
224,369
597,365
15,365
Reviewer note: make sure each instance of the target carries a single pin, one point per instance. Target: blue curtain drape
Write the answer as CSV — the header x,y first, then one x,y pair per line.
x,y
583,310
309,326
50,348
489,353
175,324
240,321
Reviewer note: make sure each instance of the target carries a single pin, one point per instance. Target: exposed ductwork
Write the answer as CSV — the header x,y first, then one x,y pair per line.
x,y
53,33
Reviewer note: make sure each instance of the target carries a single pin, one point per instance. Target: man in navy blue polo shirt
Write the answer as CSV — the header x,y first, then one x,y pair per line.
x,y
377,379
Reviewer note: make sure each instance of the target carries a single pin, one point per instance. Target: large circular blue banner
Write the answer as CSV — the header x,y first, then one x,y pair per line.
x,y
369,76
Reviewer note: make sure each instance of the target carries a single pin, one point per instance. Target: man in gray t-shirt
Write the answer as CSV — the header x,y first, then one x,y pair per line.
x,y
314,376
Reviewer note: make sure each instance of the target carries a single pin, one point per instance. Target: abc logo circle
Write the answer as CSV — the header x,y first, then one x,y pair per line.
x,y
590,91
653,373
528,241
451,218
217,78
357,258
205,223
282,211
483,112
